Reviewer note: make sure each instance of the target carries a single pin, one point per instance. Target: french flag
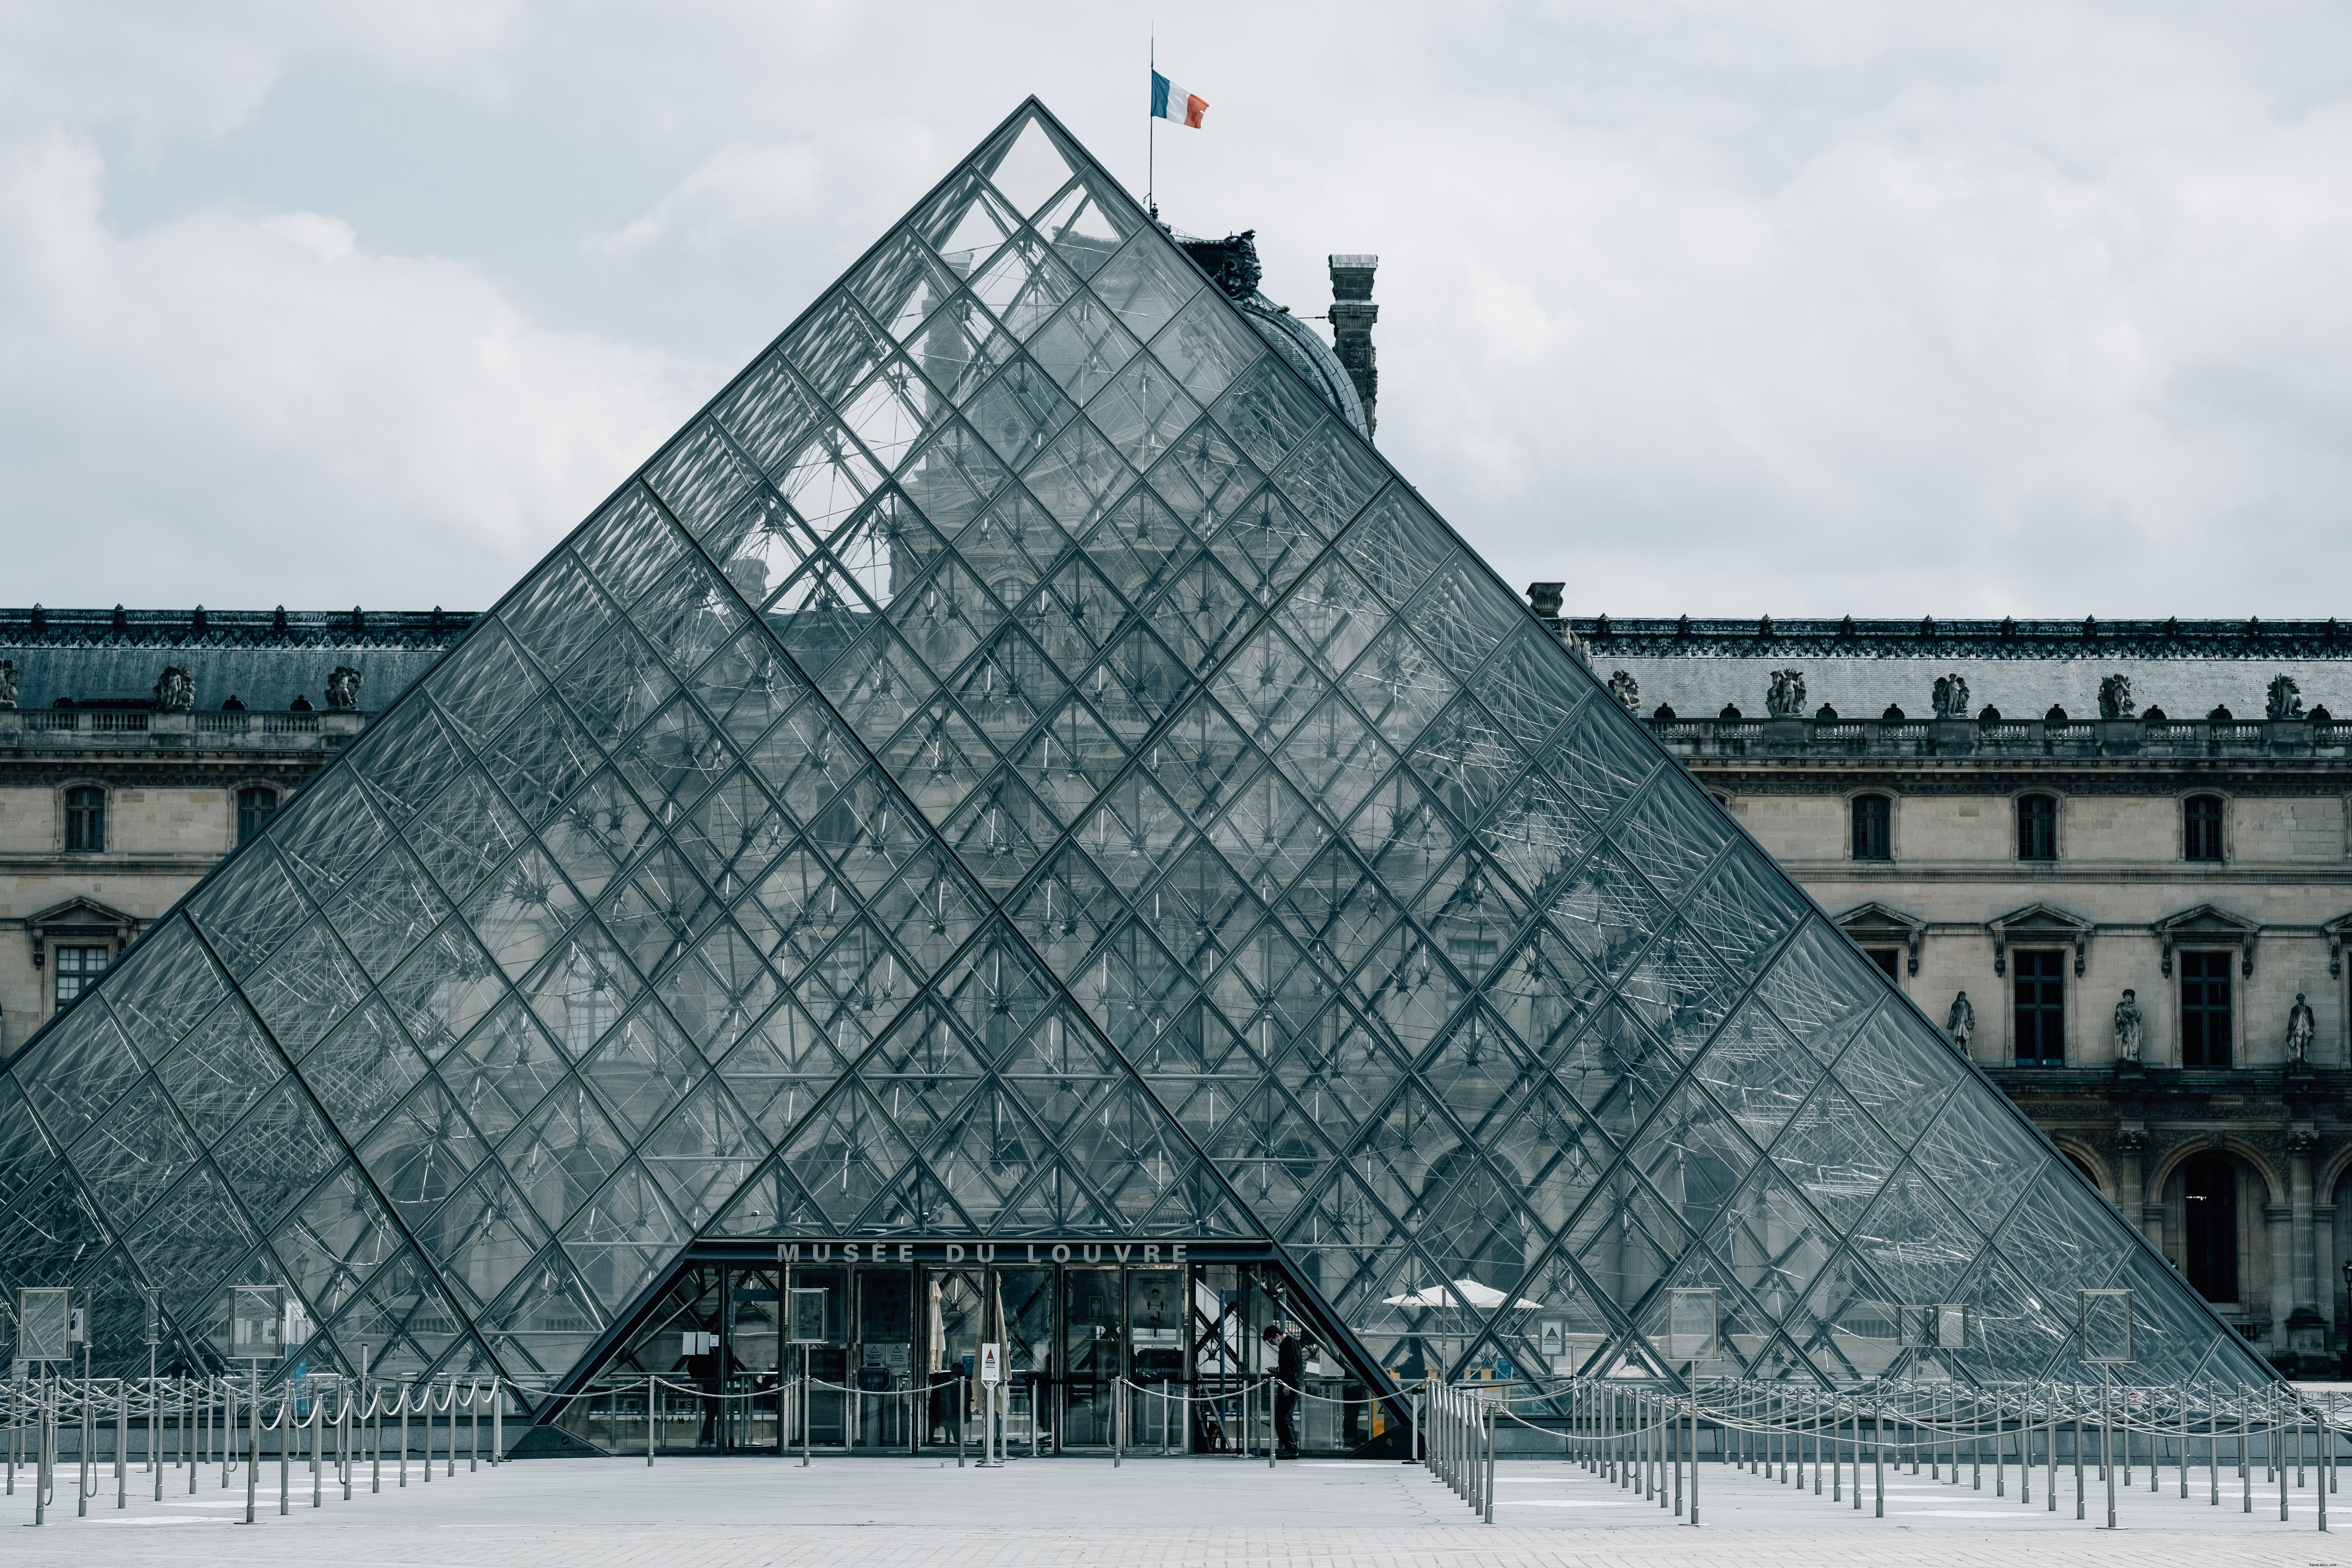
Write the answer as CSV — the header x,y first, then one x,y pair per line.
x,y
1170,101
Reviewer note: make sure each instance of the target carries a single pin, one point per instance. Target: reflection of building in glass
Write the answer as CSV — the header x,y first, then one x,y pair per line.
x,y
1016,819
2132,918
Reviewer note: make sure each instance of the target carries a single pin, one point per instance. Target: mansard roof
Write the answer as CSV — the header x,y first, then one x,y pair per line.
x,y
2022,668
266,658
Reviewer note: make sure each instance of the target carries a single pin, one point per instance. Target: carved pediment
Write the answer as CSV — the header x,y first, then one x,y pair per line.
x,y
2041,925
1875,925
2334,931
2208,926
78,917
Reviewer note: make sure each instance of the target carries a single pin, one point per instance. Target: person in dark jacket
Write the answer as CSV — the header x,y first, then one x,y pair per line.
x,y
1290,1376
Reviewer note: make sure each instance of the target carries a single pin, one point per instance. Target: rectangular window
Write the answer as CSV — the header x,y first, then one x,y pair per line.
x,y
78,969
1873,835
2037,828
2205,1009
2041,1009
86,820
255,807
2201,823
1887,958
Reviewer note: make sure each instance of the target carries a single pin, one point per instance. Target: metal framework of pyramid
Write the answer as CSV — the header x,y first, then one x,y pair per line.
x,y
1016,764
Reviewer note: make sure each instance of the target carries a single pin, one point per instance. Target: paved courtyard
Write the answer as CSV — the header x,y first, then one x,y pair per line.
x,y
1187,1513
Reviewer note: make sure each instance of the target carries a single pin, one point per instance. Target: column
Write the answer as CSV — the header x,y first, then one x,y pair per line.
x,y
2129,1144
2306,1331
2323,1265
2279,1223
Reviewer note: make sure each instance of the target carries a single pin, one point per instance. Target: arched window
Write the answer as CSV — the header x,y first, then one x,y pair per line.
x,y
2209,1189
86,819
2037,828
255,807
2201,826
1874,828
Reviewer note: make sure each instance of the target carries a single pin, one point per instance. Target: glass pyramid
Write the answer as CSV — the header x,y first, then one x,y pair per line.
x,y
1018,766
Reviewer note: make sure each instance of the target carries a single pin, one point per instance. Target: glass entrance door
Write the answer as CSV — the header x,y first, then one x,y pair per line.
x,y
1093,1354
753,1349
1155,1318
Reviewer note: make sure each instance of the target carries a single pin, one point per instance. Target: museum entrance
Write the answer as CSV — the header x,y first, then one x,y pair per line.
x,y
840,1354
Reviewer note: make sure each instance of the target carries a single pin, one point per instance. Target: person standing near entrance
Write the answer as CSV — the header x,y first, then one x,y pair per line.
x,y
1290,1376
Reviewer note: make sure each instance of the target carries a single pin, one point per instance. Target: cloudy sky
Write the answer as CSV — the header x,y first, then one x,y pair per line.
x,y
1807,308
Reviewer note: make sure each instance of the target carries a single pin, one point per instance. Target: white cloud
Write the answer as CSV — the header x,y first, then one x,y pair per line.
x,y
232,408
1798,308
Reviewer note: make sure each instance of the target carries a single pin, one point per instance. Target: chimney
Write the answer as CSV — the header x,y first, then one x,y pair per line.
x,y
1352,315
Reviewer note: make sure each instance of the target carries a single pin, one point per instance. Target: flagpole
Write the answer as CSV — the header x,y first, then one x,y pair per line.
x,y
1152,136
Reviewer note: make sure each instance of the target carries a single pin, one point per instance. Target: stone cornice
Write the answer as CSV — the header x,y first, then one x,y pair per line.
x,y
1771,637
39,627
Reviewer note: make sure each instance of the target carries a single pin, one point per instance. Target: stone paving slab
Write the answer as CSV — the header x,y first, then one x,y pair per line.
x,y
1182,1513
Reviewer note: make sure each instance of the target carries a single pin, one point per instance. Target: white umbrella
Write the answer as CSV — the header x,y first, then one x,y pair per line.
x,y
1463,1292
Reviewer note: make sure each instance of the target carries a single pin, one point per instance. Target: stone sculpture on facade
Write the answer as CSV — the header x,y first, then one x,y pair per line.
x,y
1951,696
1786,697
2302,1028
2115,697
1627,690
2286,700
175,692
343,687
8,683
2130,1027
1961,1023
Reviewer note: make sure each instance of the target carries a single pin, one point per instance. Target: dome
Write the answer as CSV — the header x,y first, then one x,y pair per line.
x,y
1232,265
1308,354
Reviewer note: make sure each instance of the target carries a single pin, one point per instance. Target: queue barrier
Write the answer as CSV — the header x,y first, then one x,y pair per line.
x,y
1652,1439
342,1421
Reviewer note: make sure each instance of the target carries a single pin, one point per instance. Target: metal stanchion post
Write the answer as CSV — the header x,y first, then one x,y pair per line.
x,y
498,1422
253,1448
403,1436
649,1422
1878,1458
962,1410
1694,1452
1487,1492
2107,1438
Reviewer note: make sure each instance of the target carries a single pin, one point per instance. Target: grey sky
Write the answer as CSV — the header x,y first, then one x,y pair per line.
x,y
1802,308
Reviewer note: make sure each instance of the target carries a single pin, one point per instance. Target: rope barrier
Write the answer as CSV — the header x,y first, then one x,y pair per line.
x,y
204,1417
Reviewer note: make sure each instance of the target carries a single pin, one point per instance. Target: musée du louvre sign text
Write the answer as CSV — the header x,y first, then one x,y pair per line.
x,y
983,1254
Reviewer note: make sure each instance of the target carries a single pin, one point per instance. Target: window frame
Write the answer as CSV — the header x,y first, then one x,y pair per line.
x,y
77,816
2027,965
2215,966
238,837
2217,828
60,972
2019,817
1882,807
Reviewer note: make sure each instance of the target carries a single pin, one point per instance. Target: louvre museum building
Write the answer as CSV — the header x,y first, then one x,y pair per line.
x,y
1016,819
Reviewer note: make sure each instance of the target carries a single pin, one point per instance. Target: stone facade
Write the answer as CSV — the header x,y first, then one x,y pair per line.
x,y
167,719
1953,905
